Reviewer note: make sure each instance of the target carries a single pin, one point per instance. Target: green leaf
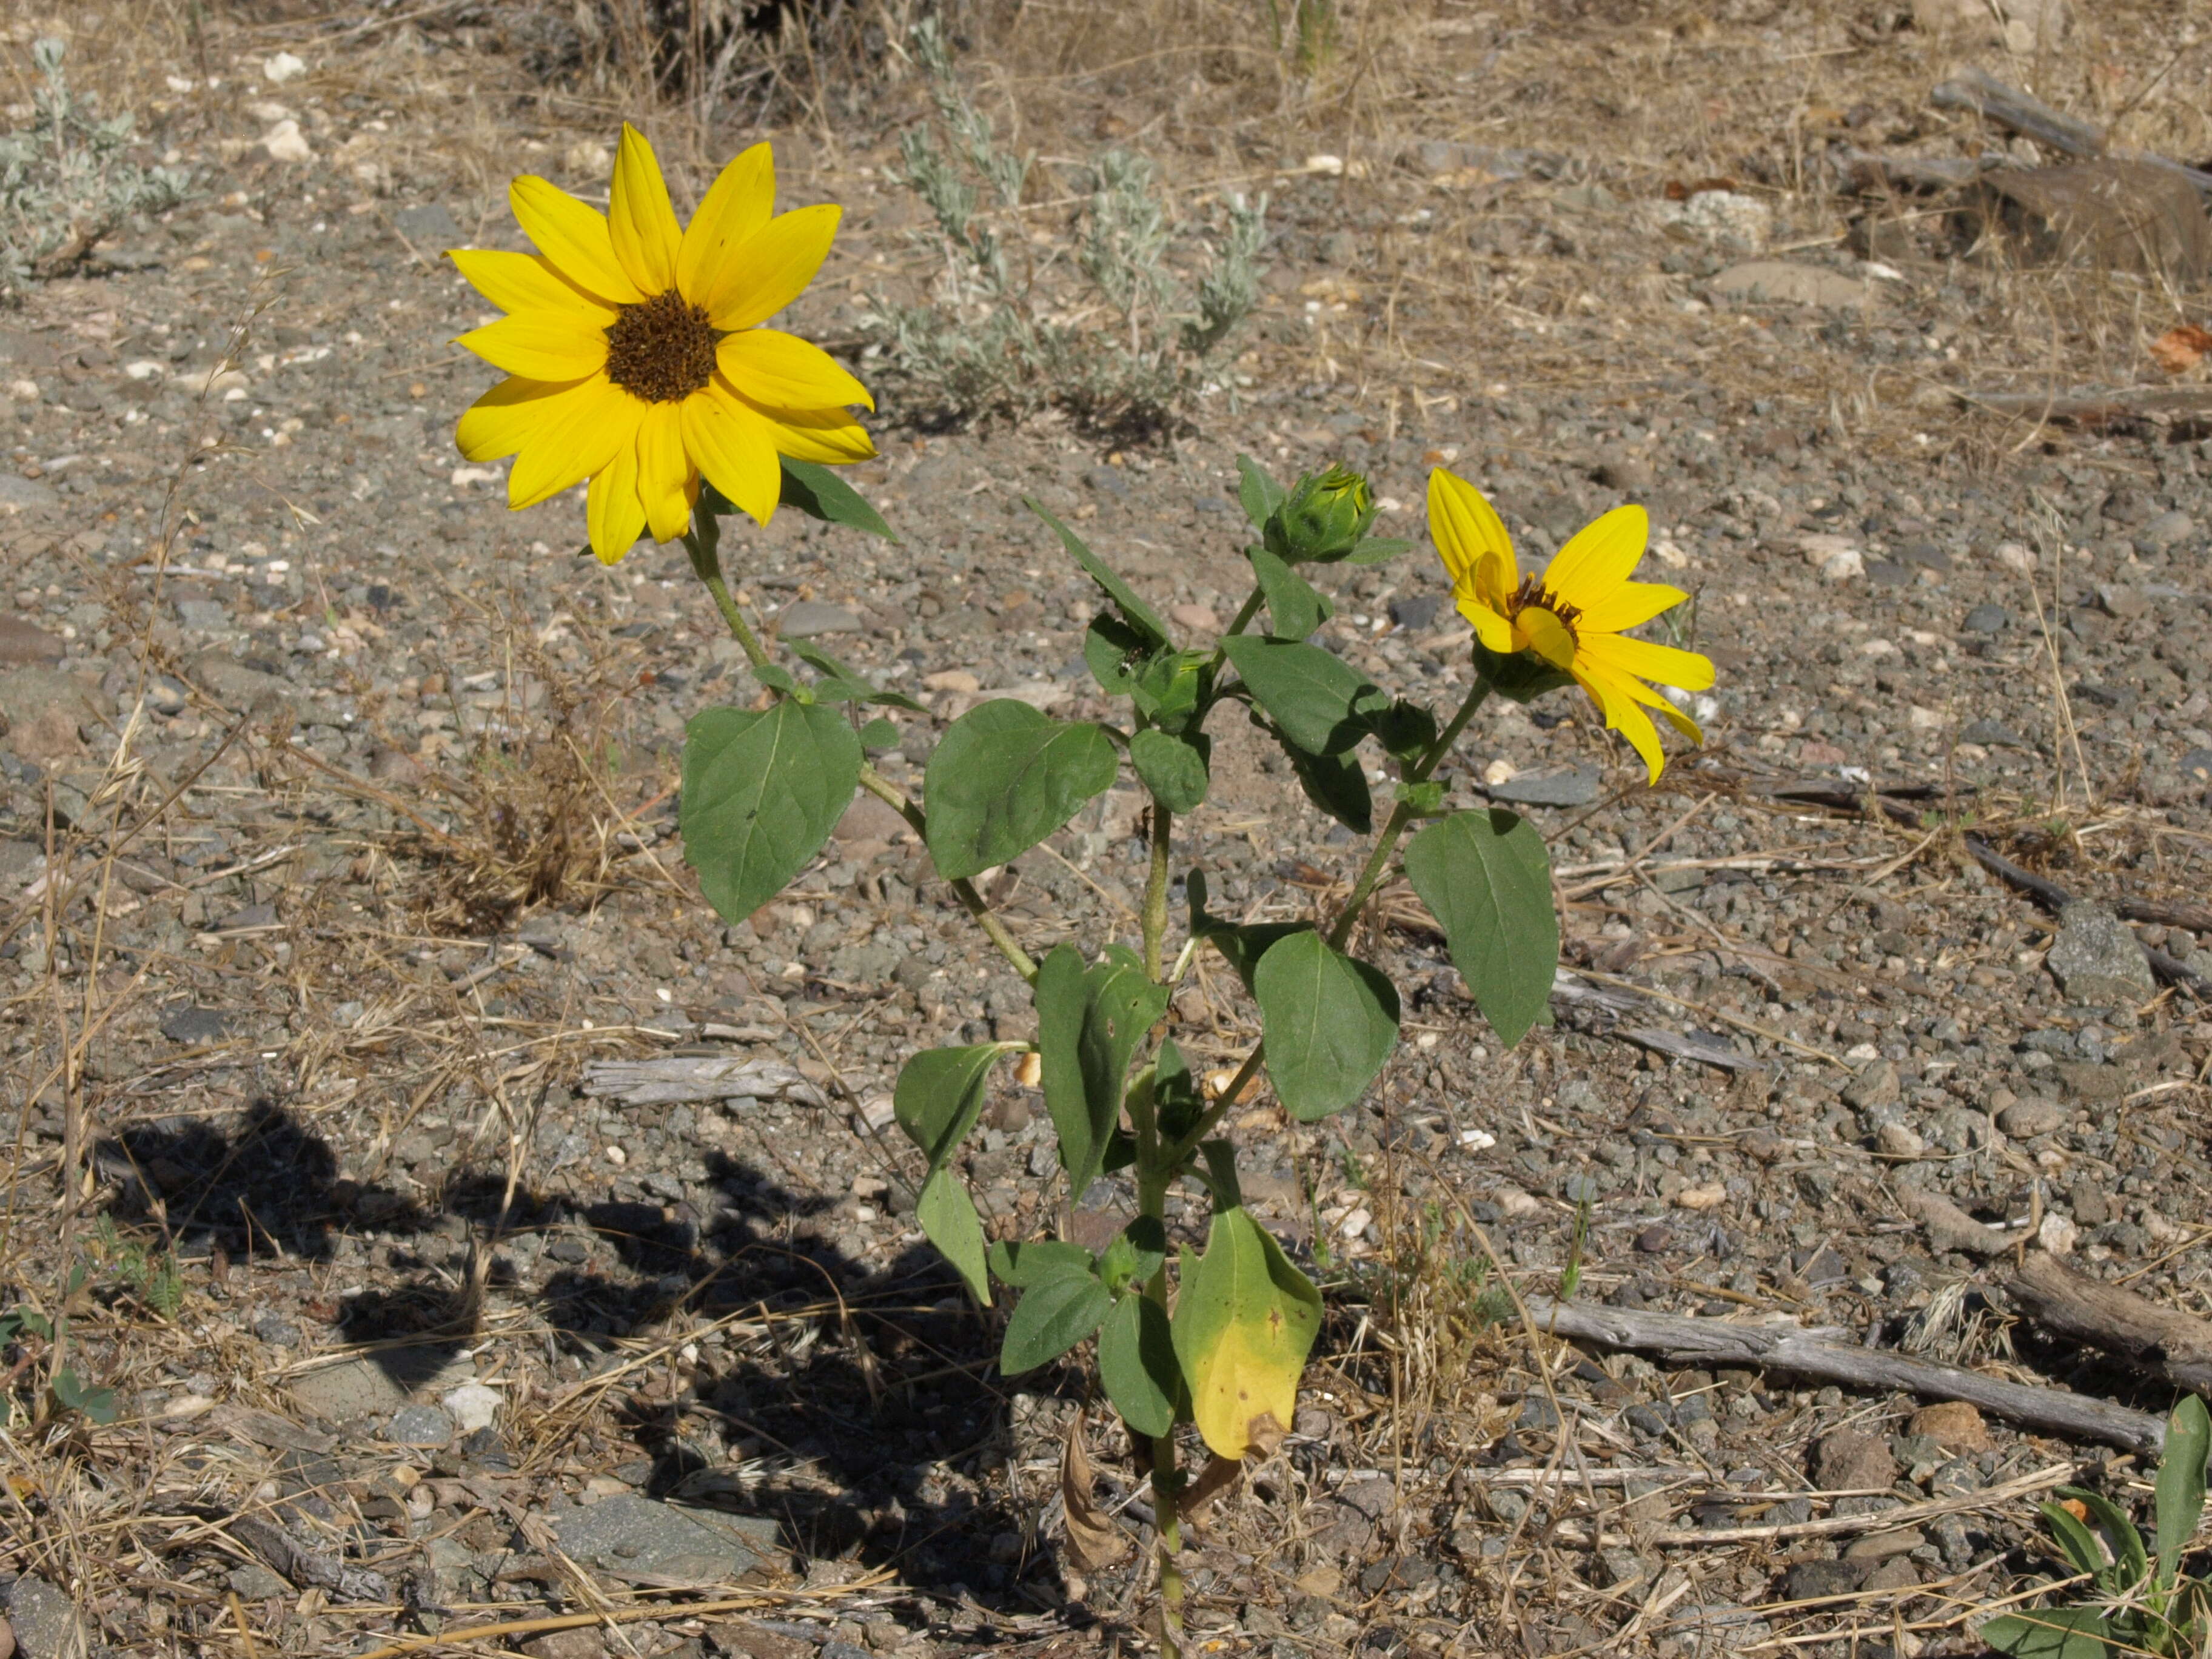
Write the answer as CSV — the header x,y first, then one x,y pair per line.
x,y
941,1094
880,734
1050,1319
1487,880
1027,1263
1335,783
1377,550
949,1221
2130,1565
1405,729
1090,1023
2180,1492
1173,768
1134,609
1138,1368
98,1404
1115,653
819,493
1318,699
1171,689
1295,606
2049,1633
1427,799
761,792
777,679
1241,943
1177,1101
1257,490
851,685
1003,778
2077,1541
1329,1023
1244,1322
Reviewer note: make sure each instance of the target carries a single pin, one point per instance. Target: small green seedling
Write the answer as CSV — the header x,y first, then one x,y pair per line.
x,y
2142,1605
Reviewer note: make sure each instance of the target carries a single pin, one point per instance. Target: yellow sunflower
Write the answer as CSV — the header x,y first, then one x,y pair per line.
x,y
636,352
1573,615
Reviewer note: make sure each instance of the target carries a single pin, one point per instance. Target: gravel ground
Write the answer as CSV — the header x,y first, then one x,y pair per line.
x,y
401,770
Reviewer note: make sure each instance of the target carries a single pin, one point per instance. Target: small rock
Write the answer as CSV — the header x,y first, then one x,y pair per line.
x,y
187,1023
585,1643
1993,734
256,1582
1810,1580
1780,281
2117,599
1952,1424
352,1389
2015,555
1895,1574
281,66
806,619
2090,1205
2023,1119
1572,786
472,1406
2058,1233
2098,959
2196,766
1987,619
2166,531
1950,1228
419,1425
429,225
17,493
1199,618
22,643
1876,1084
1881,1545
44,707
1842,567
285,142
1900,1140
637,1537
951,679
45,1620
1847,1460
1414,611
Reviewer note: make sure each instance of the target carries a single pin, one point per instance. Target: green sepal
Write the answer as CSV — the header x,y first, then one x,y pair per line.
x,y
1522,677
1406,730
1377,550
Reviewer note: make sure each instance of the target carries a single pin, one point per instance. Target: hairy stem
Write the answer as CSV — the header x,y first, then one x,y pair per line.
x,y
1244,615
703,542
970,900
1378,860
1155,887
1156,1173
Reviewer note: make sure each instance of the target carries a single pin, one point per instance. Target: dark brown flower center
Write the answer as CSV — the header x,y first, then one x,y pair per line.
x,y
661,350
1532,592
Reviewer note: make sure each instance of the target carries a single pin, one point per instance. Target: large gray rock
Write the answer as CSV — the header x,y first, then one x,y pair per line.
x,y
2098,960
805,619
47,1623
17,492
1572,786
237,687
44,708
22,641
637,1538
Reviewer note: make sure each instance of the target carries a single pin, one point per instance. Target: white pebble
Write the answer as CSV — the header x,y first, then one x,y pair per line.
x,y
285,142
1842,567
282,66
2013,556
472,1406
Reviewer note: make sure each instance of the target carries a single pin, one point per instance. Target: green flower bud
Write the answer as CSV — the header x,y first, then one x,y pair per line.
x,y
1325,517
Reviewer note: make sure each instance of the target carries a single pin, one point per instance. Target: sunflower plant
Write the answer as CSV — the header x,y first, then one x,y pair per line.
x,y
640,359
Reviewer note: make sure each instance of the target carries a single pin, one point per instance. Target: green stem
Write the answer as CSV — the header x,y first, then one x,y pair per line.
x,y
1155,1175
703,543
1378,860
1155,887
1251,609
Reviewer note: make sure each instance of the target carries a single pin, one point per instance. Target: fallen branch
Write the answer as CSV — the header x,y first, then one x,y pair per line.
x,y
2055,898
2165,1343
1904,1514
2015,111
666,1079
2097,411
1831,1355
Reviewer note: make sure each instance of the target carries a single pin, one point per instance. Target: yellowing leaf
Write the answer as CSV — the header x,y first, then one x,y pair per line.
x,y
1243,1325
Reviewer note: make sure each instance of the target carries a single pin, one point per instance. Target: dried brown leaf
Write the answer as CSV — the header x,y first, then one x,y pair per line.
x,y
1093,1540
2181,347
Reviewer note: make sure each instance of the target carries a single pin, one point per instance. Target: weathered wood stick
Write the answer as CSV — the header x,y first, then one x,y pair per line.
x,y
2162,1342
1830,1355
1978,90
2055,898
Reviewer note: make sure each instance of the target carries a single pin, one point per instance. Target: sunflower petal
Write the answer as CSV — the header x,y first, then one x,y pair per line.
x,y
1631,604
577,437
1646,661
772,267
738,204
1470,539
1598,557
639,221
499,422
1620,711
544,345
786,372
735,447
615,511
573,236
663,471
527,282
830,436
1491,627
1548,637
